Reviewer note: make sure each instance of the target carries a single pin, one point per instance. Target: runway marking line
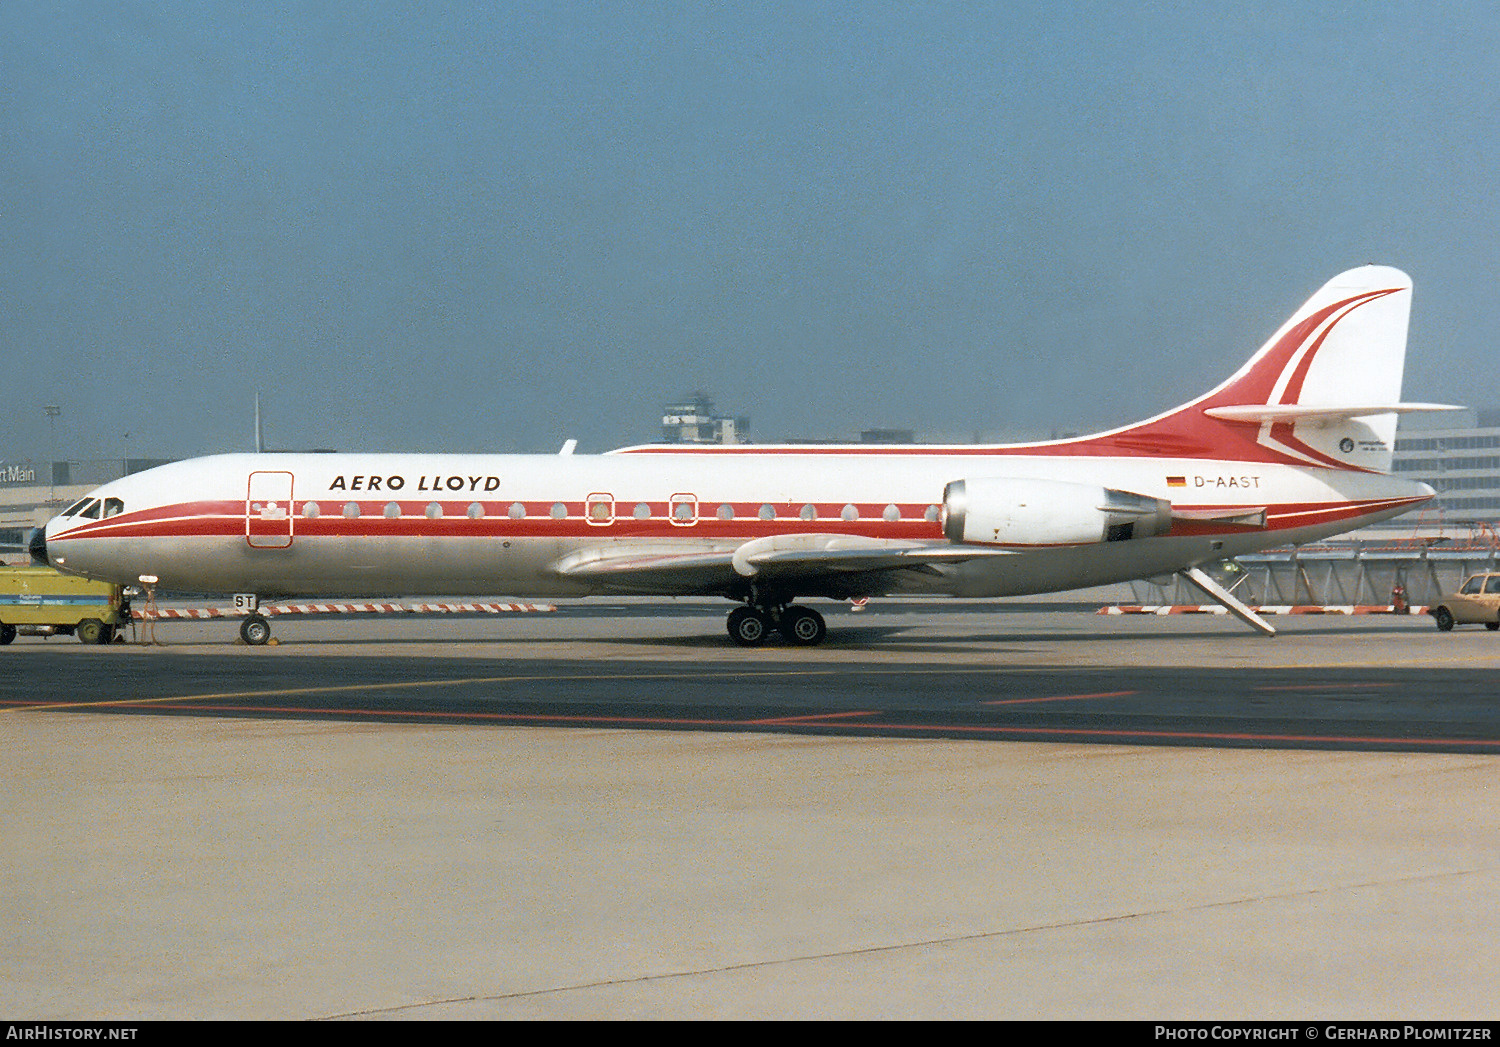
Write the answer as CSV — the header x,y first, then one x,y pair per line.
x,y
813,718
195,701
1060,698
1080,921
942,730
1350,686
392,685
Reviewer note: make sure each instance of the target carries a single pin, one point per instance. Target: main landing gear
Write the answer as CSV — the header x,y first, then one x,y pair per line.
x,y
255,630
749,626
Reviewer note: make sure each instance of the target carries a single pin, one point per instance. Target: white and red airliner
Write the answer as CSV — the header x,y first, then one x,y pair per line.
x,y
1294,447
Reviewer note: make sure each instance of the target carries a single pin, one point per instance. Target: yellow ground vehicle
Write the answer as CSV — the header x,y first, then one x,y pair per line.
x,y
39,599
1477,601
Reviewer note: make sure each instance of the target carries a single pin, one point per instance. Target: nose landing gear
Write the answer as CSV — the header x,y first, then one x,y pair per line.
x,y
750,625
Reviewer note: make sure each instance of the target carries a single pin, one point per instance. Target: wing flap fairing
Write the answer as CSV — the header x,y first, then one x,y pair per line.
x,y
780,558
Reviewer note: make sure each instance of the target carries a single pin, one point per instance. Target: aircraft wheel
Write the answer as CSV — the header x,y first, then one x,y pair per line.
x,y
748,627
1492,626
255,630
1444,619
90,630
7,634
803,625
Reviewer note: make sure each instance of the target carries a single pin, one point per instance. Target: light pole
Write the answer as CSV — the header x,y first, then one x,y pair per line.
x,y
52,412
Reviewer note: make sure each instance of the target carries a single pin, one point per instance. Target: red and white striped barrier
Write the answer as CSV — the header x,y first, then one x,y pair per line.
x,y
1213,608
271,610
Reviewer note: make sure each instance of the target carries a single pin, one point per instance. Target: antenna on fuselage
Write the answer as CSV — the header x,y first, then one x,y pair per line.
x,y
260,440
568,447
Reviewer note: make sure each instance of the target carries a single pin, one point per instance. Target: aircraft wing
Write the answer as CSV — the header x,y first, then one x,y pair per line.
x,y
835,562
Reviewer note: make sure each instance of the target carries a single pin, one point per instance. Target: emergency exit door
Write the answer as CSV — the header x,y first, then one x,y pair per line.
x,y
268,510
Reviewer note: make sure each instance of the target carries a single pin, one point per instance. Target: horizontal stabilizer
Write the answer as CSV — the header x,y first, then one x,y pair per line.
x,y
1259,413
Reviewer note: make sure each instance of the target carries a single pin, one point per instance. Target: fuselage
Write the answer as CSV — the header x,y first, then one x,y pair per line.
x,y
354,524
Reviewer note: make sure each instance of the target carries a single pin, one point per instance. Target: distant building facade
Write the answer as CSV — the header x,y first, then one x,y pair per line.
x,y
692,421
887,436
1458,453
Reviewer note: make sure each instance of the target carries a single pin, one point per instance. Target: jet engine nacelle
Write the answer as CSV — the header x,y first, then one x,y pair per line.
x,y
1013,511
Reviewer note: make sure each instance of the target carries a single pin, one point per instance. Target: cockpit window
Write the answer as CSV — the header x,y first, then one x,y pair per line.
x,y
113,507
72,510
91,511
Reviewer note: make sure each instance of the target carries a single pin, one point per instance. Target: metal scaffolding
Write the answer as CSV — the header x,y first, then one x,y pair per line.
x,y
1341,573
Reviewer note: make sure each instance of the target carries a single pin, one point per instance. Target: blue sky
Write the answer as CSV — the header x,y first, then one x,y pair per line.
x,y
464,227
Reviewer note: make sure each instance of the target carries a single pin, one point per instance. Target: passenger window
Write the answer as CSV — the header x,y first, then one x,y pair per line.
x,y
1471,587
1492,584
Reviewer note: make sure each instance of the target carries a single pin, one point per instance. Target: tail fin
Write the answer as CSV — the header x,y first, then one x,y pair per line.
x,y
1324,391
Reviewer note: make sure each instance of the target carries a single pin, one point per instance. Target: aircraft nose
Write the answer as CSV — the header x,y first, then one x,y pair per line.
x,y
38,547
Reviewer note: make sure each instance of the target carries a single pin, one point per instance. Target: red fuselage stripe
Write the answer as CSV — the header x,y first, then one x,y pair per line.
x,y
226,519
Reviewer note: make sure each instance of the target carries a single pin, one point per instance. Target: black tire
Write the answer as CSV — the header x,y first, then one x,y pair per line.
x,y
7,633
803,626
1444,619
1492,626
748,627
255,630
90,630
